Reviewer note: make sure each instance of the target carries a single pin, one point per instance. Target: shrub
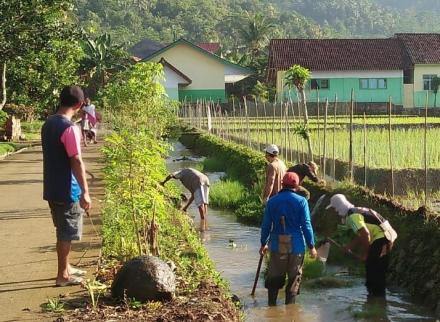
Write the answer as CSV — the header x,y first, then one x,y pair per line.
x,y
227,194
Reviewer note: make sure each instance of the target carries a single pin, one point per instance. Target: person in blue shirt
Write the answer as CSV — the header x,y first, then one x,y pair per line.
x,y
285,231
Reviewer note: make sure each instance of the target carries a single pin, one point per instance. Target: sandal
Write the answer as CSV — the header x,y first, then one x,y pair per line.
x,y
73,280
76,271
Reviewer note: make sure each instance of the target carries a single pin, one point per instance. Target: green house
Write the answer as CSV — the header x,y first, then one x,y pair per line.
x,y
401,68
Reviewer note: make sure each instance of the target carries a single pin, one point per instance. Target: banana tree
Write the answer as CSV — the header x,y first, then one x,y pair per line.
x,y
102,59
297,76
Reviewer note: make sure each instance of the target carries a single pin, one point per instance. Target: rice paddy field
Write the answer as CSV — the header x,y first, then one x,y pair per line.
x,y
407,138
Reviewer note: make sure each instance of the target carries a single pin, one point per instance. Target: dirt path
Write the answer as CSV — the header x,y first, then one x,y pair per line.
x,y
27,236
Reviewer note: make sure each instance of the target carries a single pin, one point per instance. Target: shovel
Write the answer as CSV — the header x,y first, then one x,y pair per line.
x,y
324,252
257,275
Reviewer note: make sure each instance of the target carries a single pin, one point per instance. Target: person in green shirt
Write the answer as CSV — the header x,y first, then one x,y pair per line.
x,y
374,236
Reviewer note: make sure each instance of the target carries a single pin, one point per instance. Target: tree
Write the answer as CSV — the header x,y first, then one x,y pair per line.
x,y
435,85
297,76
102,59
28,26
255,32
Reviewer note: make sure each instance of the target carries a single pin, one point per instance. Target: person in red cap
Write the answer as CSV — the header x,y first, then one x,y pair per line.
x,y
286,231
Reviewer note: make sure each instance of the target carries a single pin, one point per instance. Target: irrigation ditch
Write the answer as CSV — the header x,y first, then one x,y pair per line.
x,y
415,260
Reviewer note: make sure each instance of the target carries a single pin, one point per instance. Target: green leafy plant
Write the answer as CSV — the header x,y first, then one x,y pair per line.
x,y
53,305
95,290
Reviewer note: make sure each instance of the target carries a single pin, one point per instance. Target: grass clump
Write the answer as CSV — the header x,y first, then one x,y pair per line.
x,y
213,165
6,148
227,194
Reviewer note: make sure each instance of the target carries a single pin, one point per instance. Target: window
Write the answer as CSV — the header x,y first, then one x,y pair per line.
x,y
427,82
319,84
372,83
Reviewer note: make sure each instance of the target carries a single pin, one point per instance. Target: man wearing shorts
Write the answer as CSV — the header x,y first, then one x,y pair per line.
x,y
65,185
198,184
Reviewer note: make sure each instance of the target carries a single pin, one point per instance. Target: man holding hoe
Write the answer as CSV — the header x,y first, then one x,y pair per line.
x,y
375,236
198,184
287,228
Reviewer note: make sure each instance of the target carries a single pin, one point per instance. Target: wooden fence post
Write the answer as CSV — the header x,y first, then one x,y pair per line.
x,y
324,157
350,151
390,146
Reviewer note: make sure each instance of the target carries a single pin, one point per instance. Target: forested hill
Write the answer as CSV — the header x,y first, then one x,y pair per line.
x,y
415,5
218,20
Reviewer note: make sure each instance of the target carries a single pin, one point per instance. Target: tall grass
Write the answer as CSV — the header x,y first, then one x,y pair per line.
x,y
227,194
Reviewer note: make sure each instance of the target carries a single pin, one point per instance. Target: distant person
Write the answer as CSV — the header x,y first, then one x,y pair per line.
x,y
275,171
287,229
65,185
310,170
375,237
198,184
89,120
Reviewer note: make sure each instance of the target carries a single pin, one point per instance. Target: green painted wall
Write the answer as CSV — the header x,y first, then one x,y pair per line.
x,y
420,99
193,95
342,88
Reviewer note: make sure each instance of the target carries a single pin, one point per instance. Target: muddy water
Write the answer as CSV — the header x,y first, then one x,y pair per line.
x,y
234,249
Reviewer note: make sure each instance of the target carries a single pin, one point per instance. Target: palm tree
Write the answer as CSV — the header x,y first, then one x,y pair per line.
x,y
255,32
297,76
102,59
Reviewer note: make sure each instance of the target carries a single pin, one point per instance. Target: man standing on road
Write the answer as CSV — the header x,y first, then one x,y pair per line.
x,y
275,171
287,227
198,184
65,184
375,236
310,170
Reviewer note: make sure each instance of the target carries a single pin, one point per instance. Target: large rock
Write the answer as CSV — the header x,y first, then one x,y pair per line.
x,y
146,278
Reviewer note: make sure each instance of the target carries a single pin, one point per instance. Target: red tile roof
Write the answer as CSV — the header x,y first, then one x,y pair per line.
x,y
212,47
422,48
336,54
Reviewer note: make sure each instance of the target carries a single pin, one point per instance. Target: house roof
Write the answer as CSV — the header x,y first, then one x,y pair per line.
x,y
421,48
145,48
212,47
245,70
174,69
336,54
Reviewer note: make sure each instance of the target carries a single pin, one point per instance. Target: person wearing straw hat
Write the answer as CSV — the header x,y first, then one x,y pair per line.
x,y
375,237
285,231
275,171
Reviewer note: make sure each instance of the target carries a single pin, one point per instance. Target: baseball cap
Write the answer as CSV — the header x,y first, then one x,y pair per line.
x,y
272,149
340,203
290,179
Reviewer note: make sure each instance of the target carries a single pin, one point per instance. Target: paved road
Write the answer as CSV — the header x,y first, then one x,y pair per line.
x,y
27,236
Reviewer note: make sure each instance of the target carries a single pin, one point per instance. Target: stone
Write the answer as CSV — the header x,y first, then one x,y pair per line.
x,y
145,278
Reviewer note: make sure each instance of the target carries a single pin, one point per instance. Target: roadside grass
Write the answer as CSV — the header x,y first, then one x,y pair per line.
x,y
7,148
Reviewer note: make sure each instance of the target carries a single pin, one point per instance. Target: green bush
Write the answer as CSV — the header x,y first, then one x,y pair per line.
x,y
3,118
213,164
227,194
6,148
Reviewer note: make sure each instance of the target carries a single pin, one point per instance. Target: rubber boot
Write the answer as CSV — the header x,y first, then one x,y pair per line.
x,y
290,298
272,294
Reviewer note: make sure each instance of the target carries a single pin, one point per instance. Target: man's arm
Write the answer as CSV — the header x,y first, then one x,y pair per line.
x,y
170,176
190,200
270,180
265,230
363,239
307,229
79,171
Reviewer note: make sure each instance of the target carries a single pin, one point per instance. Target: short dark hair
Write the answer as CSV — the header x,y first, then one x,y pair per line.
x,y
71,96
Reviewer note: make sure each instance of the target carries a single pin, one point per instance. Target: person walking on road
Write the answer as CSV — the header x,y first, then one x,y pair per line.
x,y
375,236
65,185
275,171
198,184
285,231
309,170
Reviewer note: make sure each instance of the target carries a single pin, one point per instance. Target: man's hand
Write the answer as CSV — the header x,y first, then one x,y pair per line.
x,y
313,253
85,202
263,250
